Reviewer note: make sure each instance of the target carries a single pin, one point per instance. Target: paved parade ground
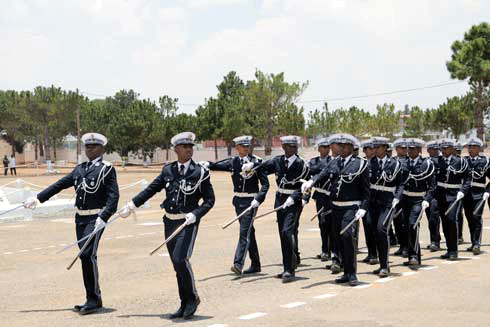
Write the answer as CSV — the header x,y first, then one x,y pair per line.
x,y
36,289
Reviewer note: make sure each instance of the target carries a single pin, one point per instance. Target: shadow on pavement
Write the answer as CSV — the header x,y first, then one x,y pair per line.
x,y
100,311
167,316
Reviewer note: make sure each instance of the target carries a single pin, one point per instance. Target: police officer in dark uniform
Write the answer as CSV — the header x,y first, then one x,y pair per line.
x,y
387,176
247,194
433,216
350,198
185,183
97,195
289,169
458,149
479,166
321,196
453,182
401,230
367,222
418,190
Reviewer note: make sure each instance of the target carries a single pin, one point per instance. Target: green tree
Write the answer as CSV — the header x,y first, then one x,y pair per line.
x,y
168,110
416,122
320,122
456,114
386,121
471,60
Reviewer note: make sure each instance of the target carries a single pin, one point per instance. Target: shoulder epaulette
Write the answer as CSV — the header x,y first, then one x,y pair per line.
x,y
107,163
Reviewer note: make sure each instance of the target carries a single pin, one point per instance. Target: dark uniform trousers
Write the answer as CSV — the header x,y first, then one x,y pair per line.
x,y
246,240
449,221
401,229
342,216
324,222
475,222
434,219
411,206
84,226
287,220
180,250
378,211
370,233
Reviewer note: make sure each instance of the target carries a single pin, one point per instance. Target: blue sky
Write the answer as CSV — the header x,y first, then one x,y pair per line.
x,y
183,48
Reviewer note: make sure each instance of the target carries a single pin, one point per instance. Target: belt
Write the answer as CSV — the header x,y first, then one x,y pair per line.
x,y
245,195
408,193
88,212
475,184
175,216
346,203
320,190
285,191
383,188
446,185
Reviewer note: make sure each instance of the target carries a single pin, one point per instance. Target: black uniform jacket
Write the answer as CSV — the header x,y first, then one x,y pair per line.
x,y
479,171
454,173
386,181
95,188
421,178
349,184
288,178
182,192
247,184
316,165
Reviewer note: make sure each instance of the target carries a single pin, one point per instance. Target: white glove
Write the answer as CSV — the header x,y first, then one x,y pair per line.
x,y
425,205
485,196
246,167
205,164
289,202
303,202
306,186
395,203
127,209
99,224
31,203
255,204
190,218
360,213
460,195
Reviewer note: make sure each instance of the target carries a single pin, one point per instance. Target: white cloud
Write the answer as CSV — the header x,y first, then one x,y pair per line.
x,y
203,4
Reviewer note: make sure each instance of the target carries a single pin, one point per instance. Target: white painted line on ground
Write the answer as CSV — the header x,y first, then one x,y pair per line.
x,y
486,227
252,316
217,325
35,249
472,258
428,268
164,255
7,253
384,280
293,305
21,251
324,296
119,237
130,236
52,246
151,224
312,229
449,262
409,273
363,286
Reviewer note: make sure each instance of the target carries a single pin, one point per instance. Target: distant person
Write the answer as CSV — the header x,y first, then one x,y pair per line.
x,y
6,164
13,170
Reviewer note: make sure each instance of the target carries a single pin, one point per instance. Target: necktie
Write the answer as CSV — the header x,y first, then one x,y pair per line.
x,y
89,164
342,163
412,164
380,163
181,170
286,163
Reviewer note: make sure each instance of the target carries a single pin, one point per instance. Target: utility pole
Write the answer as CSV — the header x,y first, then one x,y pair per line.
x,y
78,131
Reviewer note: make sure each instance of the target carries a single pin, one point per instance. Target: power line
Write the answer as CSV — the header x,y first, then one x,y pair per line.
x,y
382,93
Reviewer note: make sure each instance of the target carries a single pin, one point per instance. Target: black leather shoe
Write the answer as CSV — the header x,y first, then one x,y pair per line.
x,y
445,255
469,249
384,273
252,270
460,241
324,257
280,275
79,307
433,247
405,253
366,259
353,280
476,250
287,277
453,256
179,313
343,279
413,261
236,269
377,271
90,307
190,308
373,261
335,268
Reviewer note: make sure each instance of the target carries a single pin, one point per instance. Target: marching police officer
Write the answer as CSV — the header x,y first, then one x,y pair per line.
x,y
433,216
185,183
458,149
369,226
453,182
247,194
350,197
97,195
401,231
289,169
475,199
387,176
321,196
418,190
